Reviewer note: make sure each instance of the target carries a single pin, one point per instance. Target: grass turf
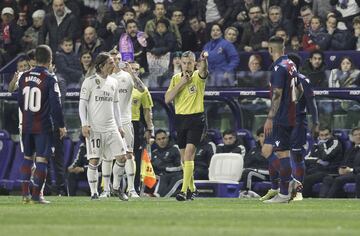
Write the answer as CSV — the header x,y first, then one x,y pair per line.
x,y
67,216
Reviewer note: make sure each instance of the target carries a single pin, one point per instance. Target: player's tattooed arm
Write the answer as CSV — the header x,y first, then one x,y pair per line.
x,y
275,102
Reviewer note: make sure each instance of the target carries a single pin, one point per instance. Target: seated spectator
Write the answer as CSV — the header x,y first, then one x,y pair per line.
x,y
356,26
198,36
349,171
255,34
232,35
67,64
159,13
133,45
178,19
166,162
86,61
339,39
295,44
10,36
175,67
231,143
255,77
77,170
255,166
315,37
275,20
314,68
162,40
347,75
31,35
145,14
326,157
281,32
222,60
203,154
90,42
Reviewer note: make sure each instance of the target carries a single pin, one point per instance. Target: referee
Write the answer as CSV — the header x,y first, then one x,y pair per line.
x,y
187,90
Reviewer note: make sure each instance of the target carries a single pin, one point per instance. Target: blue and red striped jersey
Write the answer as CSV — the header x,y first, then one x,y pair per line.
x,y
282,73
39,101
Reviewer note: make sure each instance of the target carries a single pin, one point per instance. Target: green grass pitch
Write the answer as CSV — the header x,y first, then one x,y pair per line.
x,y
78,216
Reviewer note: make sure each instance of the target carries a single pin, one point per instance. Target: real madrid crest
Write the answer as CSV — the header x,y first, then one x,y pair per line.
x,y
97,81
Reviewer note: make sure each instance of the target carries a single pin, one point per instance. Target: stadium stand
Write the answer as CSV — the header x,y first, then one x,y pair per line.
x,y
6,153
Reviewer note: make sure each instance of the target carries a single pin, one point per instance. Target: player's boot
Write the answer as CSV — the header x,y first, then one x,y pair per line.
x,y
299,197
294,187
95,196
270,194
181,196
105,194
26,199
133,194
122,195
42,200
191,195
279,198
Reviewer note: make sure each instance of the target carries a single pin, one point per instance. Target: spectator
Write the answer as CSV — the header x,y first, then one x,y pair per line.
x,y
326,155
339,39
67,64
231,143
203,154
348,173
281,32
347,75
162,40
356,26
133,45
315,37
255,166
159,13
77,170
255,34
198,36
31,35
185,31
348,9
145,14
255,77
232,35
58,24
166,163
10,36
295,44
223,59
306,14
112,25
86,60
175,67
275,20
22,65
314,68
90,42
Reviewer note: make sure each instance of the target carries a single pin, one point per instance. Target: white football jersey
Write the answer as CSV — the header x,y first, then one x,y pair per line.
x,y
126,85
101,95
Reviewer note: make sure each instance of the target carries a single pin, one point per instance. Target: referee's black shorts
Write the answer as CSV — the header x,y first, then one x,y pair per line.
x,y
189,129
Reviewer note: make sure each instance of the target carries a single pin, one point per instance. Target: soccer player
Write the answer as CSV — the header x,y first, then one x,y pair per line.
x,y
140,100
100,120
307,103
127,80
39,102
280,122
187,90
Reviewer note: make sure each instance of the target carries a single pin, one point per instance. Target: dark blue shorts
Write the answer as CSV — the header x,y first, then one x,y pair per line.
x,y
298,136
280,138
39,144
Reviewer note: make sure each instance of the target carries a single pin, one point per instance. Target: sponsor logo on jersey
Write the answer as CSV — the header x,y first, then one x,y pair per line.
x,y
192,89
97,81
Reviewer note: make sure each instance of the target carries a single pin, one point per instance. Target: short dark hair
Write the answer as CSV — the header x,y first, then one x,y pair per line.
x,y
23,58
100,60
304,8
163,21
295,58
260,131
130,21
43,54
31,54
324,127
159,131
317,51
66,39
276,40
229,131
